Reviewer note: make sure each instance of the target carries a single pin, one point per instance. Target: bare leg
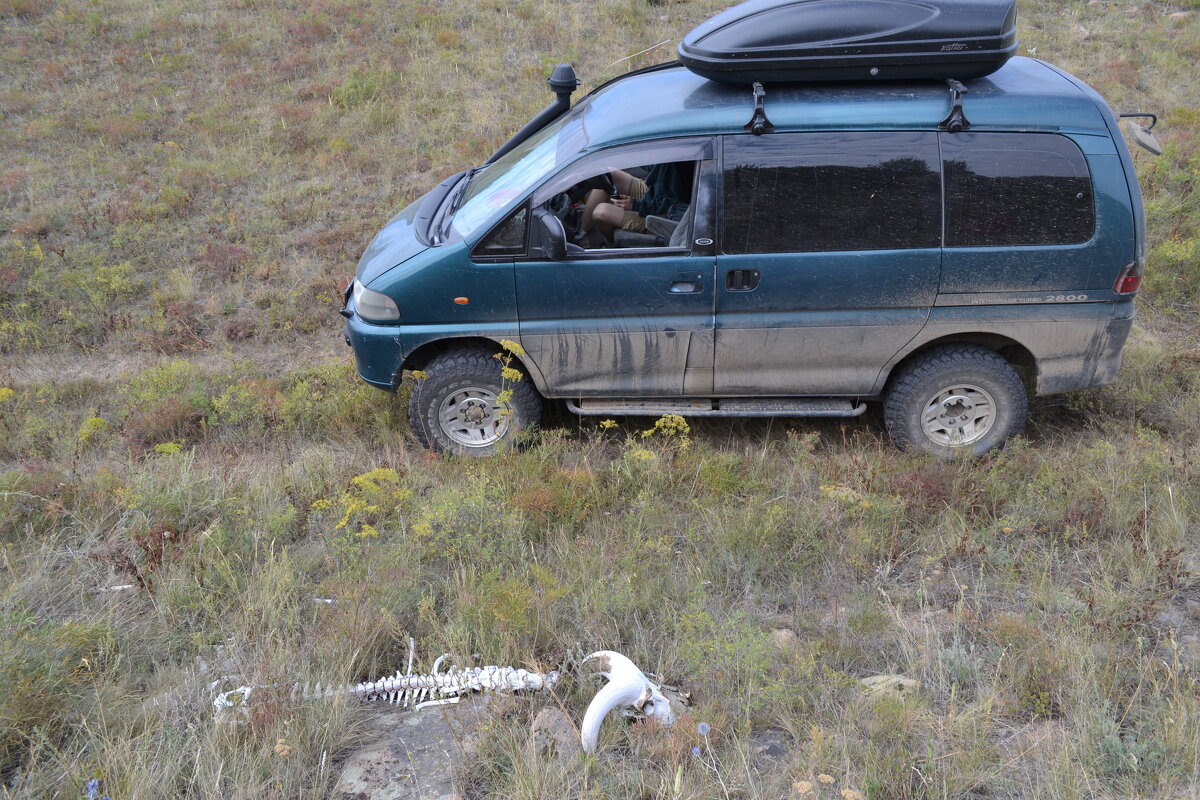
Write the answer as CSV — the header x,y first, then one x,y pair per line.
x,y
608,218
599,211
594,198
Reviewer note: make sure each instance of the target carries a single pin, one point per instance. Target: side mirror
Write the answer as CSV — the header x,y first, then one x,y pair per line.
x,y
1142,135
551,234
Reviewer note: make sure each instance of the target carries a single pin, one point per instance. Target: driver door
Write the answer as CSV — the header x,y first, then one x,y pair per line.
x,y
623,322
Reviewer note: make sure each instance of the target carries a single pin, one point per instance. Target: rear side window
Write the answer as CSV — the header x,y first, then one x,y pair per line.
x,y
1005,189
814,192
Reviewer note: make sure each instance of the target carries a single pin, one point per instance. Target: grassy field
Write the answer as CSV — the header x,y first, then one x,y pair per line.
x,y
183,188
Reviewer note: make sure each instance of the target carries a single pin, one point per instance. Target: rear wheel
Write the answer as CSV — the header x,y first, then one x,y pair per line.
x,y
960,399
465,405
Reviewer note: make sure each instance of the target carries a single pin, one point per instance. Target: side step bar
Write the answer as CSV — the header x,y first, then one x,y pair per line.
x,y
731,407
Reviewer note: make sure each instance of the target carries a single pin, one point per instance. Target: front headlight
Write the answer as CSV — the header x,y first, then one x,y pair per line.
x,y
374,306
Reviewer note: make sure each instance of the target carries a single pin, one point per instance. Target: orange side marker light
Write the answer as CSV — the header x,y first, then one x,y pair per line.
x,y
462,301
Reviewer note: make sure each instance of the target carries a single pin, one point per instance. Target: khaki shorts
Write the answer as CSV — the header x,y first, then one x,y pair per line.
x,y
633,221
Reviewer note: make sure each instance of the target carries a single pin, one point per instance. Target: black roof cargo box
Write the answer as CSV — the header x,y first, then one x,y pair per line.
x,y
836,40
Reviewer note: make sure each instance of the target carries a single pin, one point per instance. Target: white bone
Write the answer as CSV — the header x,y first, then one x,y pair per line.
x,y
627,687
430,703
408,689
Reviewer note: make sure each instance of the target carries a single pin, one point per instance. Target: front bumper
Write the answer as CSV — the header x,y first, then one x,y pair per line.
x,y
378,351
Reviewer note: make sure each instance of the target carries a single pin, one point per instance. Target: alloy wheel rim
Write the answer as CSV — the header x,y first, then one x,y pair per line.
x,y
958,415
473,417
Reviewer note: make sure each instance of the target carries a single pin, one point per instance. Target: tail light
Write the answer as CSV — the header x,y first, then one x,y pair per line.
x,y
1130,278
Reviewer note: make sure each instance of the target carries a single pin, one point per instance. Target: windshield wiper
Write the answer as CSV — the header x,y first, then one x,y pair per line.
x,y
456,199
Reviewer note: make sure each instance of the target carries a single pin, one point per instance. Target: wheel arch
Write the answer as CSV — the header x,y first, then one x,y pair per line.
x,y
957,396
1016,354
420,358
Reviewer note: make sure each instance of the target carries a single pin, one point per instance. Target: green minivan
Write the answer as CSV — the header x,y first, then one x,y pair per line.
x,y
941,247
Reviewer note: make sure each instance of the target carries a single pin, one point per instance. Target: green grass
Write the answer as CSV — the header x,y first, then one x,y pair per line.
x,y
184,186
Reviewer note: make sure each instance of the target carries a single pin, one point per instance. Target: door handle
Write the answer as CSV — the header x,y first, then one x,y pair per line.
x,y
742,280
687,283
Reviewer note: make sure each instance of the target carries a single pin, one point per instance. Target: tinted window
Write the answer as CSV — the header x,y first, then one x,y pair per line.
x,y
795,192
1016,189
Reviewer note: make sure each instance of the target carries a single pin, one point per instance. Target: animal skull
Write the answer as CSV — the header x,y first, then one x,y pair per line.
x,y
627,688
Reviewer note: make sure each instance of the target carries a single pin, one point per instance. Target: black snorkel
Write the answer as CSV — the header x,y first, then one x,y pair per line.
x,y
563,83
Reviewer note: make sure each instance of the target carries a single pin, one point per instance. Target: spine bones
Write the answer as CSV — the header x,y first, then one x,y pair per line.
x,y
407,689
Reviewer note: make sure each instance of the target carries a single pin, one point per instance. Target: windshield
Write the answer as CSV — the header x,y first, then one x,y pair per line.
x,y
510,178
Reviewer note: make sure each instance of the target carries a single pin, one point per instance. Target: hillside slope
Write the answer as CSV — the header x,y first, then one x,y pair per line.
x,y
184,186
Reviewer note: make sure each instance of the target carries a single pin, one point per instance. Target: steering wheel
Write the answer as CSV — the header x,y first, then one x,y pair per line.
x,y
559,205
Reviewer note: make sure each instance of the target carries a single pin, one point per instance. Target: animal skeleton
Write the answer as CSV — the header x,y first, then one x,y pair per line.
x,y
627,689
407,689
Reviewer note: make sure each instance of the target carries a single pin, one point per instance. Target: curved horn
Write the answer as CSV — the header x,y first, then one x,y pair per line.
x,y
626,685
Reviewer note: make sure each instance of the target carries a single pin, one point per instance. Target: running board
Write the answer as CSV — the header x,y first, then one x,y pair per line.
x,y
732,407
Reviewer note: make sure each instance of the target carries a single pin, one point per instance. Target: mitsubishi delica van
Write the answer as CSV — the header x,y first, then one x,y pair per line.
x,y
915,218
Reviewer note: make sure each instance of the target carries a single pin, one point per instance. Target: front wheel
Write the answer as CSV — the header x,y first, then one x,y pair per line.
x,y
961,399
465,405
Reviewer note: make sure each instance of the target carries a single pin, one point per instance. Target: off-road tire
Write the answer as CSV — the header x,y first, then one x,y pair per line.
x,y
961,384
459,383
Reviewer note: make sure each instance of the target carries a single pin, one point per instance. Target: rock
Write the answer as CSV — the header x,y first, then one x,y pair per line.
x,y
768,746
894,685
836,615
784,638
553,735
1171,617
415,755
1187,651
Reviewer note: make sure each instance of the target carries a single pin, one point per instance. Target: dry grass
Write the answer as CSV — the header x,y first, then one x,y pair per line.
x,y
182,188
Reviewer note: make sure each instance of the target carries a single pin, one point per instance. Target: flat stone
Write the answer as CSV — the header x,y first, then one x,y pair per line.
x,y
895,685
553,735
1188,651
1173,617
415,755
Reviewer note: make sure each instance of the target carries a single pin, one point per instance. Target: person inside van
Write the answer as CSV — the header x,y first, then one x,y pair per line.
x,y
666,192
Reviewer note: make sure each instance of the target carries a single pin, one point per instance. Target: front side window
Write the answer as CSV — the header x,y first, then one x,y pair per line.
x,y
1010,189
814,192
627,198
507,238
